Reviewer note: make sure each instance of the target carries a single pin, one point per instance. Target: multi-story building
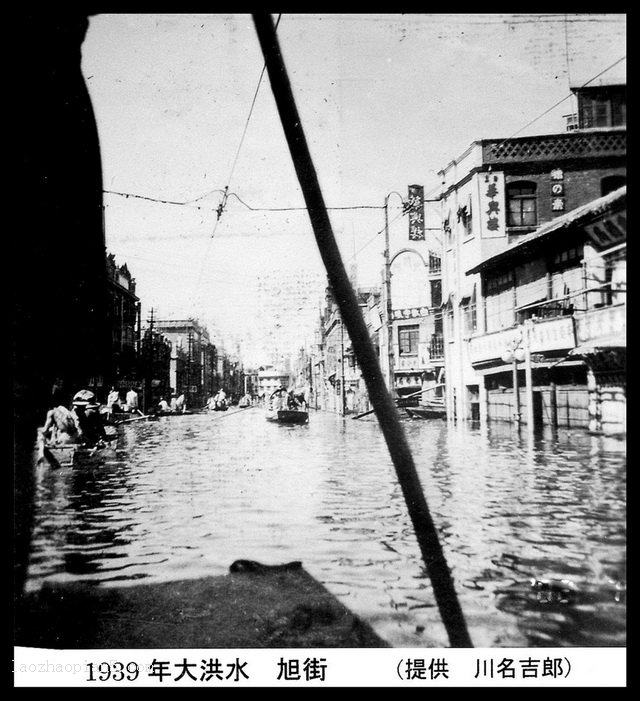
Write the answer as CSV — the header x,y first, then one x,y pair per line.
x,y
155,367
553,350
513,240
334,375
269,379
411,338
123,312
192,359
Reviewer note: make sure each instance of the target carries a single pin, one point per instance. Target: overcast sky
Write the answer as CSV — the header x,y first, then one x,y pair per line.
x,y
385,100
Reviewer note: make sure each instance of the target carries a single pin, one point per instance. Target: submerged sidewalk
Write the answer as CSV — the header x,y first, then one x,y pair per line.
x,y
254,606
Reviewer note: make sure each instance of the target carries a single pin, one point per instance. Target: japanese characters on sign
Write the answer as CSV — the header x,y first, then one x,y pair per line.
x,y
557,190
415,209
410,312
492,204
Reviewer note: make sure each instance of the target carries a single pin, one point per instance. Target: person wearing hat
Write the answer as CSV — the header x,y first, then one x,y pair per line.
x,y
85,408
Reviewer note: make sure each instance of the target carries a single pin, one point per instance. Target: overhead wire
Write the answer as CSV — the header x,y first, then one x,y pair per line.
x,y
223,202
559,102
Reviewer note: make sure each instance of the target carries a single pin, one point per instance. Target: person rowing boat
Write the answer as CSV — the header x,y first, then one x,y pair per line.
x,y
88,419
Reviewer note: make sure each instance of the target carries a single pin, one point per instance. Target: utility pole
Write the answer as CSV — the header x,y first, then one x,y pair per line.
x,y
343,396
526,337
516,392
189,354
150,362
387,292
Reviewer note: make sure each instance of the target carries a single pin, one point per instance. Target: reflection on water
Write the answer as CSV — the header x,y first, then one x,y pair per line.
x,y
534,532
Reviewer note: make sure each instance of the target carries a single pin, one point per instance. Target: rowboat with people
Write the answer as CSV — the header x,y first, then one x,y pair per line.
x,y
77,455
69,435
70,454
284,408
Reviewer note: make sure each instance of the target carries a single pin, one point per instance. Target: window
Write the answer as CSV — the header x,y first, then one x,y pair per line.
x,y
521,204
408,339
566,258
464,217
436,292
607,109
611,183
498,283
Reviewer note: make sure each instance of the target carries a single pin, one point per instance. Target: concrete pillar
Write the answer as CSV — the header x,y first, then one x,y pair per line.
x,y
483,396
595,423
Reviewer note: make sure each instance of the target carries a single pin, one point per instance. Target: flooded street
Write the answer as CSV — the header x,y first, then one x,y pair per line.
x,y
185,496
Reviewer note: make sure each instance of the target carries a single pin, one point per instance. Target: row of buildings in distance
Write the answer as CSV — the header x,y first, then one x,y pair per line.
x,y
520,300
163,357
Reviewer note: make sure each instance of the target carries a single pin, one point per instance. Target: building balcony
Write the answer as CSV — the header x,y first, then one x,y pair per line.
x,y
608,323
549,335
436,347
556,147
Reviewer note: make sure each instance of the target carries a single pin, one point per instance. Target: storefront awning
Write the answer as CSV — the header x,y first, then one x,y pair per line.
x,y
601,343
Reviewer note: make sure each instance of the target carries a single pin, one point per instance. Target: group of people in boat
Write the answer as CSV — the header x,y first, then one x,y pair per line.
x,y
80,422
178,405
218,402
284,399
115,404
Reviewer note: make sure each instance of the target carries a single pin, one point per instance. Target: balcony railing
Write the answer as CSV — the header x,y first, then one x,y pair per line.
x,y
436,347
435,264
556,147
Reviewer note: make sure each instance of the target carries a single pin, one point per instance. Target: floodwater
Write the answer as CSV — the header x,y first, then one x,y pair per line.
x,y
533,531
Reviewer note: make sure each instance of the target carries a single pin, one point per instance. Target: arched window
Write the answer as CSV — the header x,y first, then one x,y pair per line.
x,y
611,183
521,204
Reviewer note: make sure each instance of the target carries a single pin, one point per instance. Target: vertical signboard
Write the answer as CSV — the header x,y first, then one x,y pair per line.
x,y
415,209
492,205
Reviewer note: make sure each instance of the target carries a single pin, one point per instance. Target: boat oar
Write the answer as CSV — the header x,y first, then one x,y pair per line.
x,y
233,413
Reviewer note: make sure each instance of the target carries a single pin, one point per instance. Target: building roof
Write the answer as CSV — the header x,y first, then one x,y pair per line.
x,y
576,217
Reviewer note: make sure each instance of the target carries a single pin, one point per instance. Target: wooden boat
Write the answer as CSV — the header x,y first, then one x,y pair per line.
x,y
430,410
279,412
70,455
289,416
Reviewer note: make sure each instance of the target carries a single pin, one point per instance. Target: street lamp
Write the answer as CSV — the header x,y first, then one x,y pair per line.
x,y
387,288
518,351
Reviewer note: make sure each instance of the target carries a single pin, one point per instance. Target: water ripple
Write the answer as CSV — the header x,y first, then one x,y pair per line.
x,y
187,497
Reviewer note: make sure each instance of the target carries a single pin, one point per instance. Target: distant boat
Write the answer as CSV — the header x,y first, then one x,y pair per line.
x,y
289,415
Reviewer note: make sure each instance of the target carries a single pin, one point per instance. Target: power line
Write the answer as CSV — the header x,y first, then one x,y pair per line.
x,y
184,203
223,202
566,97
301,209
232,194
253,102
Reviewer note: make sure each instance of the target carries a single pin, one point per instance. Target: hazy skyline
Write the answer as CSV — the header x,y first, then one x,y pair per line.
x,y
385,100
